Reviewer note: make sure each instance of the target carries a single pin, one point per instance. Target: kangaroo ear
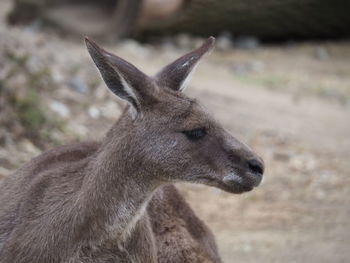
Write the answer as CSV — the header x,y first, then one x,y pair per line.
x,y
122,78
177,74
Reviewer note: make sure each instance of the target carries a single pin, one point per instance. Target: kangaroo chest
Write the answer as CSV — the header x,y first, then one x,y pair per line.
x,y
137,246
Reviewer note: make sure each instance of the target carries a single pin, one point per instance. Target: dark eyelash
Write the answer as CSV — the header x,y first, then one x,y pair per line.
x,y
195,134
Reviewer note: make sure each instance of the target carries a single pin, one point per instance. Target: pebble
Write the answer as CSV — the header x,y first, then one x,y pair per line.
x,y
57,76
282,156
35,26
321,53
28,147
254,66
78,129
94,112
224,41
183,41
110,109
135,48
247,42
78,85
303,162
59,108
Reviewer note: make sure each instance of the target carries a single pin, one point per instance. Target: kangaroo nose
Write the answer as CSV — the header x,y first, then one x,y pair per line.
x,y
256,166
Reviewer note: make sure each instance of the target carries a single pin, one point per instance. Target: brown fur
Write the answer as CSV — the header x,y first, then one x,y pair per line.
x,y
106,201
180,235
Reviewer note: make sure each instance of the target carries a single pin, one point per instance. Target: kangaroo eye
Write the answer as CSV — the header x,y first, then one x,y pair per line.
x,y
195,134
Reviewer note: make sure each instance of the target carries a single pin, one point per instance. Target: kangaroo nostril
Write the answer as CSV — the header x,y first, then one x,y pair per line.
x,y
256,166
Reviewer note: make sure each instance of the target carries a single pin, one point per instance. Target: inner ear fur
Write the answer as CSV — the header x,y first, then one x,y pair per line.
x,y
175,76
121,77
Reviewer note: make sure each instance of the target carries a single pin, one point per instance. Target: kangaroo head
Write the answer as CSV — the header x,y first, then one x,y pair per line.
x,y
170,136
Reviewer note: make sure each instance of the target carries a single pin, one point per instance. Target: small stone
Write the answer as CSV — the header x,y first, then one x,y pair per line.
x,y
94,112
78,85
240,68
257,66
66,94
4,172
59,108
110,110
57,76
320,194
28,147
135,48
303,163
101,93
282,156
254,66
247,42
168,44
216,191
183,41
35,26
224,41
247,247
78,129
321,53
34,64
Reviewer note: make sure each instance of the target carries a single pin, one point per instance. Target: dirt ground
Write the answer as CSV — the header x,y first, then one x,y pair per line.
x,y
291,103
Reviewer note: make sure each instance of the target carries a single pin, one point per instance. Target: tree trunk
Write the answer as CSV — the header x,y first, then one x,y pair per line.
x,y
268,19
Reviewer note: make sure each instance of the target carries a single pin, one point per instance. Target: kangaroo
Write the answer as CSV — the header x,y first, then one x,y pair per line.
x,y
112,200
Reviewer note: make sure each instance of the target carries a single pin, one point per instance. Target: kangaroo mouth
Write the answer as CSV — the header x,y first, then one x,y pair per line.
x,y
249,179
232,184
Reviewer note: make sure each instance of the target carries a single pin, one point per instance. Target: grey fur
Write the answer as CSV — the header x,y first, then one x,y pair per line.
x,y
110,201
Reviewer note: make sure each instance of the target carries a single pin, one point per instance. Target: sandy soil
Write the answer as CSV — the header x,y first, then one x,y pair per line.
x,y
290,103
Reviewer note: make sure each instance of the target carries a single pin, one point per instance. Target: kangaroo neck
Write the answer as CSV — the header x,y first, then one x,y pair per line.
x,y
116,190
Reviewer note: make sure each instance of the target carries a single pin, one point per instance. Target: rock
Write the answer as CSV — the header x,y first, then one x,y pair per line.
x,y
78,85
254,66
257,66
101,93
224,41
110,109
94,112
77,129
28,147
4,173
247,247
321,53
185,41
247,42
57,76
34,64
59,108
240,68
66,94
35,26
135,48
303,162
282,156
168,44
57,136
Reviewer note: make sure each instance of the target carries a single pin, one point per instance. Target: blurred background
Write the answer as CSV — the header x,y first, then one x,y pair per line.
x,y
279,80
